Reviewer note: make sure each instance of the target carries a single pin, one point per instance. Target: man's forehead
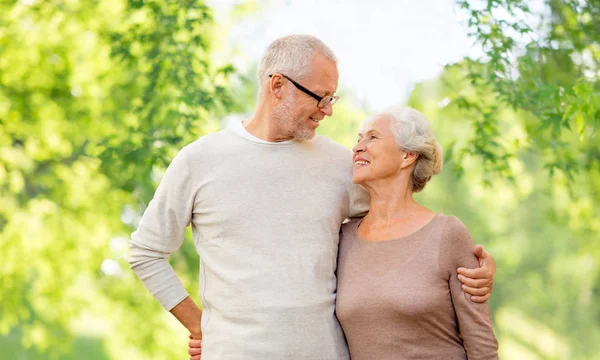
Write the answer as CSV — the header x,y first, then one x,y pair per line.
x,y
324,75
324,83
328,89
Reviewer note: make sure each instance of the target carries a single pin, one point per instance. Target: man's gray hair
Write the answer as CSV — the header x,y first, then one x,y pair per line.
x,y
292,55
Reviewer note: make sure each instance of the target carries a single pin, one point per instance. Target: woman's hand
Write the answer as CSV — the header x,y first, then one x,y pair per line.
x,y
195,348
479,282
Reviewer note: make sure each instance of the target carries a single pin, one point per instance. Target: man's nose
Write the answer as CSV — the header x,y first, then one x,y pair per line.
x,y
328,109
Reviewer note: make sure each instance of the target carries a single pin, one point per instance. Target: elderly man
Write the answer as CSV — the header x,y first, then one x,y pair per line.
x,y
266,199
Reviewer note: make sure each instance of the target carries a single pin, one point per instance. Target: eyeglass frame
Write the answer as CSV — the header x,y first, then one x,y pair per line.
x,y
333,98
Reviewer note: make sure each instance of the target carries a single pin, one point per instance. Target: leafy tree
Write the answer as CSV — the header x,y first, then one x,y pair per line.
x,y
95,98
543,64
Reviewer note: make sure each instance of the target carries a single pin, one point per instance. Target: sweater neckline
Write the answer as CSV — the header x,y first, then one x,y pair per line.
x,y
405,237
238,128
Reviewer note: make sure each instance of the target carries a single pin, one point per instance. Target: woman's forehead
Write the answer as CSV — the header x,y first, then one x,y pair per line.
x,y
379,123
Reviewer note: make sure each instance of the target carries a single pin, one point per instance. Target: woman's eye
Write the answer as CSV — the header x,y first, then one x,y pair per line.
x,y
373,137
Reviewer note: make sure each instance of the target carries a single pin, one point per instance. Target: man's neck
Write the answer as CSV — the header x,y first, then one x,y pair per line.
x,y
262,125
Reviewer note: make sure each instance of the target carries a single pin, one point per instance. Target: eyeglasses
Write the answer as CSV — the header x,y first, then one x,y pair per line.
x,y
322,100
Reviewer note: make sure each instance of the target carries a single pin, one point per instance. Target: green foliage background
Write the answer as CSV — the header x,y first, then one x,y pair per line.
x,y
96,97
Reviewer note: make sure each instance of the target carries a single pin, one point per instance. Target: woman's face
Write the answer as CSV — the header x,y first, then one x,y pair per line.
x,y
376,155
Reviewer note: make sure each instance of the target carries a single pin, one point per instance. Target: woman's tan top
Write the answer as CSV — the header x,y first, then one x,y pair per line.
x,y
401,298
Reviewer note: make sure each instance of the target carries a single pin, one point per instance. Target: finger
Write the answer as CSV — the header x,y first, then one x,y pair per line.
x,y
195,343
478,251
476,291
480,299
476,283
478,273
487,261
194,351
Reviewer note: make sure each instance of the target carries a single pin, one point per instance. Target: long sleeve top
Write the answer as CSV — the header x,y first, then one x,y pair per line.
x,y
401,298
265,220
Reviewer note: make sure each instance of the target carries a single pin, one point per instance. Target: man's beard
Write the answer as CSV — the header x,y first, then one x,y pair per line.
x,y
290,121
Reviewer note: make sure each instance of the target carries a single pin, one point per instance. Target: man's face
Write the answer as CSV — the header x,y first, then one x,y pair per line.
x,y
297,114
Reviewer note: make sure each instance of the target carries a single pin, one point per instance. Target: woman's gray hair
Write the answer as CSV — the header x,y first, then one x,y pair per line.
x,y
413,133
292,55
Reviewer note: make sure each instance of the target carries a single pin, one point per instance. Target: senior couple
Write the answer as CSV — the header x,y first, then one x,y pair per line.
x,y
280,276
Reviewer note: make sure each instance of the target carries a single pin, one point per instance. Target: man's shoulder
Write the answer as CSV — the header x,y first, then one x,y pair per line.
x,y
210,140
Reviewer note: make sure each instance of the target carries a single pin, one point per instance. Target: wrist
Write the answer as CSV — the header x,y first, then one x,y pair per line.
x,y
196,333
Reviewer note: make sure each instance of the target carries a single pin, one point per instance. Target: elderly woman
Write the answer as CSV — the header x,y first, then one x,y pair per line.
x,y
398,293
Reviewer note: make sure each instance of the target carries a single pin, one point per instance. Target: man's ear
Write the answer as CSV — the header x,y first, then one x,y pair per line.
x,y
276,85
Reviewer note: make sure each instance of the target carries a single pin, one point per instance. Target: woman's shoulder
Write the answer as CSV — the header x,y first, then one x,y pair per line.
x,y
455,234
456,245
454,227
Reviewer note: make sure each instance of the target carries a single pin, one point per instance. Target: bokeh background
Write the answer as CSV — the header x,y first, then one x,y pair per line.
x,y
96,97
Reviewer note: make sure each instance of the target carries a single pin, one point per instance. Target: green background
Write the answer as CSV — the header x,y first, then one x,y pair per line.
x,y
96,97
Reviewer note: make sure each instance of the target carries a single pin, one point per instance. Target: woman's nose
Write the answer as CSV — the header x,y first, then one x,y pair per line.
x,y
358,147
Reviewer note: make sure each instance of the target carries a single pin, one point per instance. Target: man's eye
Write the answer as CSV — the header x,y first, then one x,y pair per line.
x,y
373,137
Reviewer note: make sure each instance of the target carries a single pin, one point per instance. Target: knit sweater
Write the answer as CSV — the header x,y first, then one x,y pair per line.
x,y
265,220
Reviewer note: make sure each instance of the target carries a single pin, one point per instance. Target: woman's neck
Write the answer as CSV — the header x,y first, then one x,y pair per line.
x,y
391,201
394,213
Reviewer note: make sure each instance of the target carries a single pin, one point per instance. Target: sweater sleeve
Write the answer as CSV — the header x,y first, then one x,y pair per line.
x,y
161,232
474,319
359,201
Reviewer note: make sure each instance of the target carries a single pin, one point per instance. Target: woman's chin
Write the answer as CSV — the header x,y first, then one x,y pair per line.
x,y
357,179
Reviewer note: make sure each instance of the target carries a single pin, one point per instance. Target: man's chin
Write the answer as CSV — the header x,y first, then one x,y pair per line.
x,y
305,135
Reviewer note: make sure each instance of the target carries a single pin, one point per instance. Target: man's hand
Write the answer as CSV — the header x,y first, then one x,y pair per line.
x,y
190,316
195,348
479,282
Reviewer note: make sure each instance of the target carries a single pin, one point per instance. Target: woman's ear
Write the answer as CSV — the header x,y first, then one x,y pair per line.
x,y
409,158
